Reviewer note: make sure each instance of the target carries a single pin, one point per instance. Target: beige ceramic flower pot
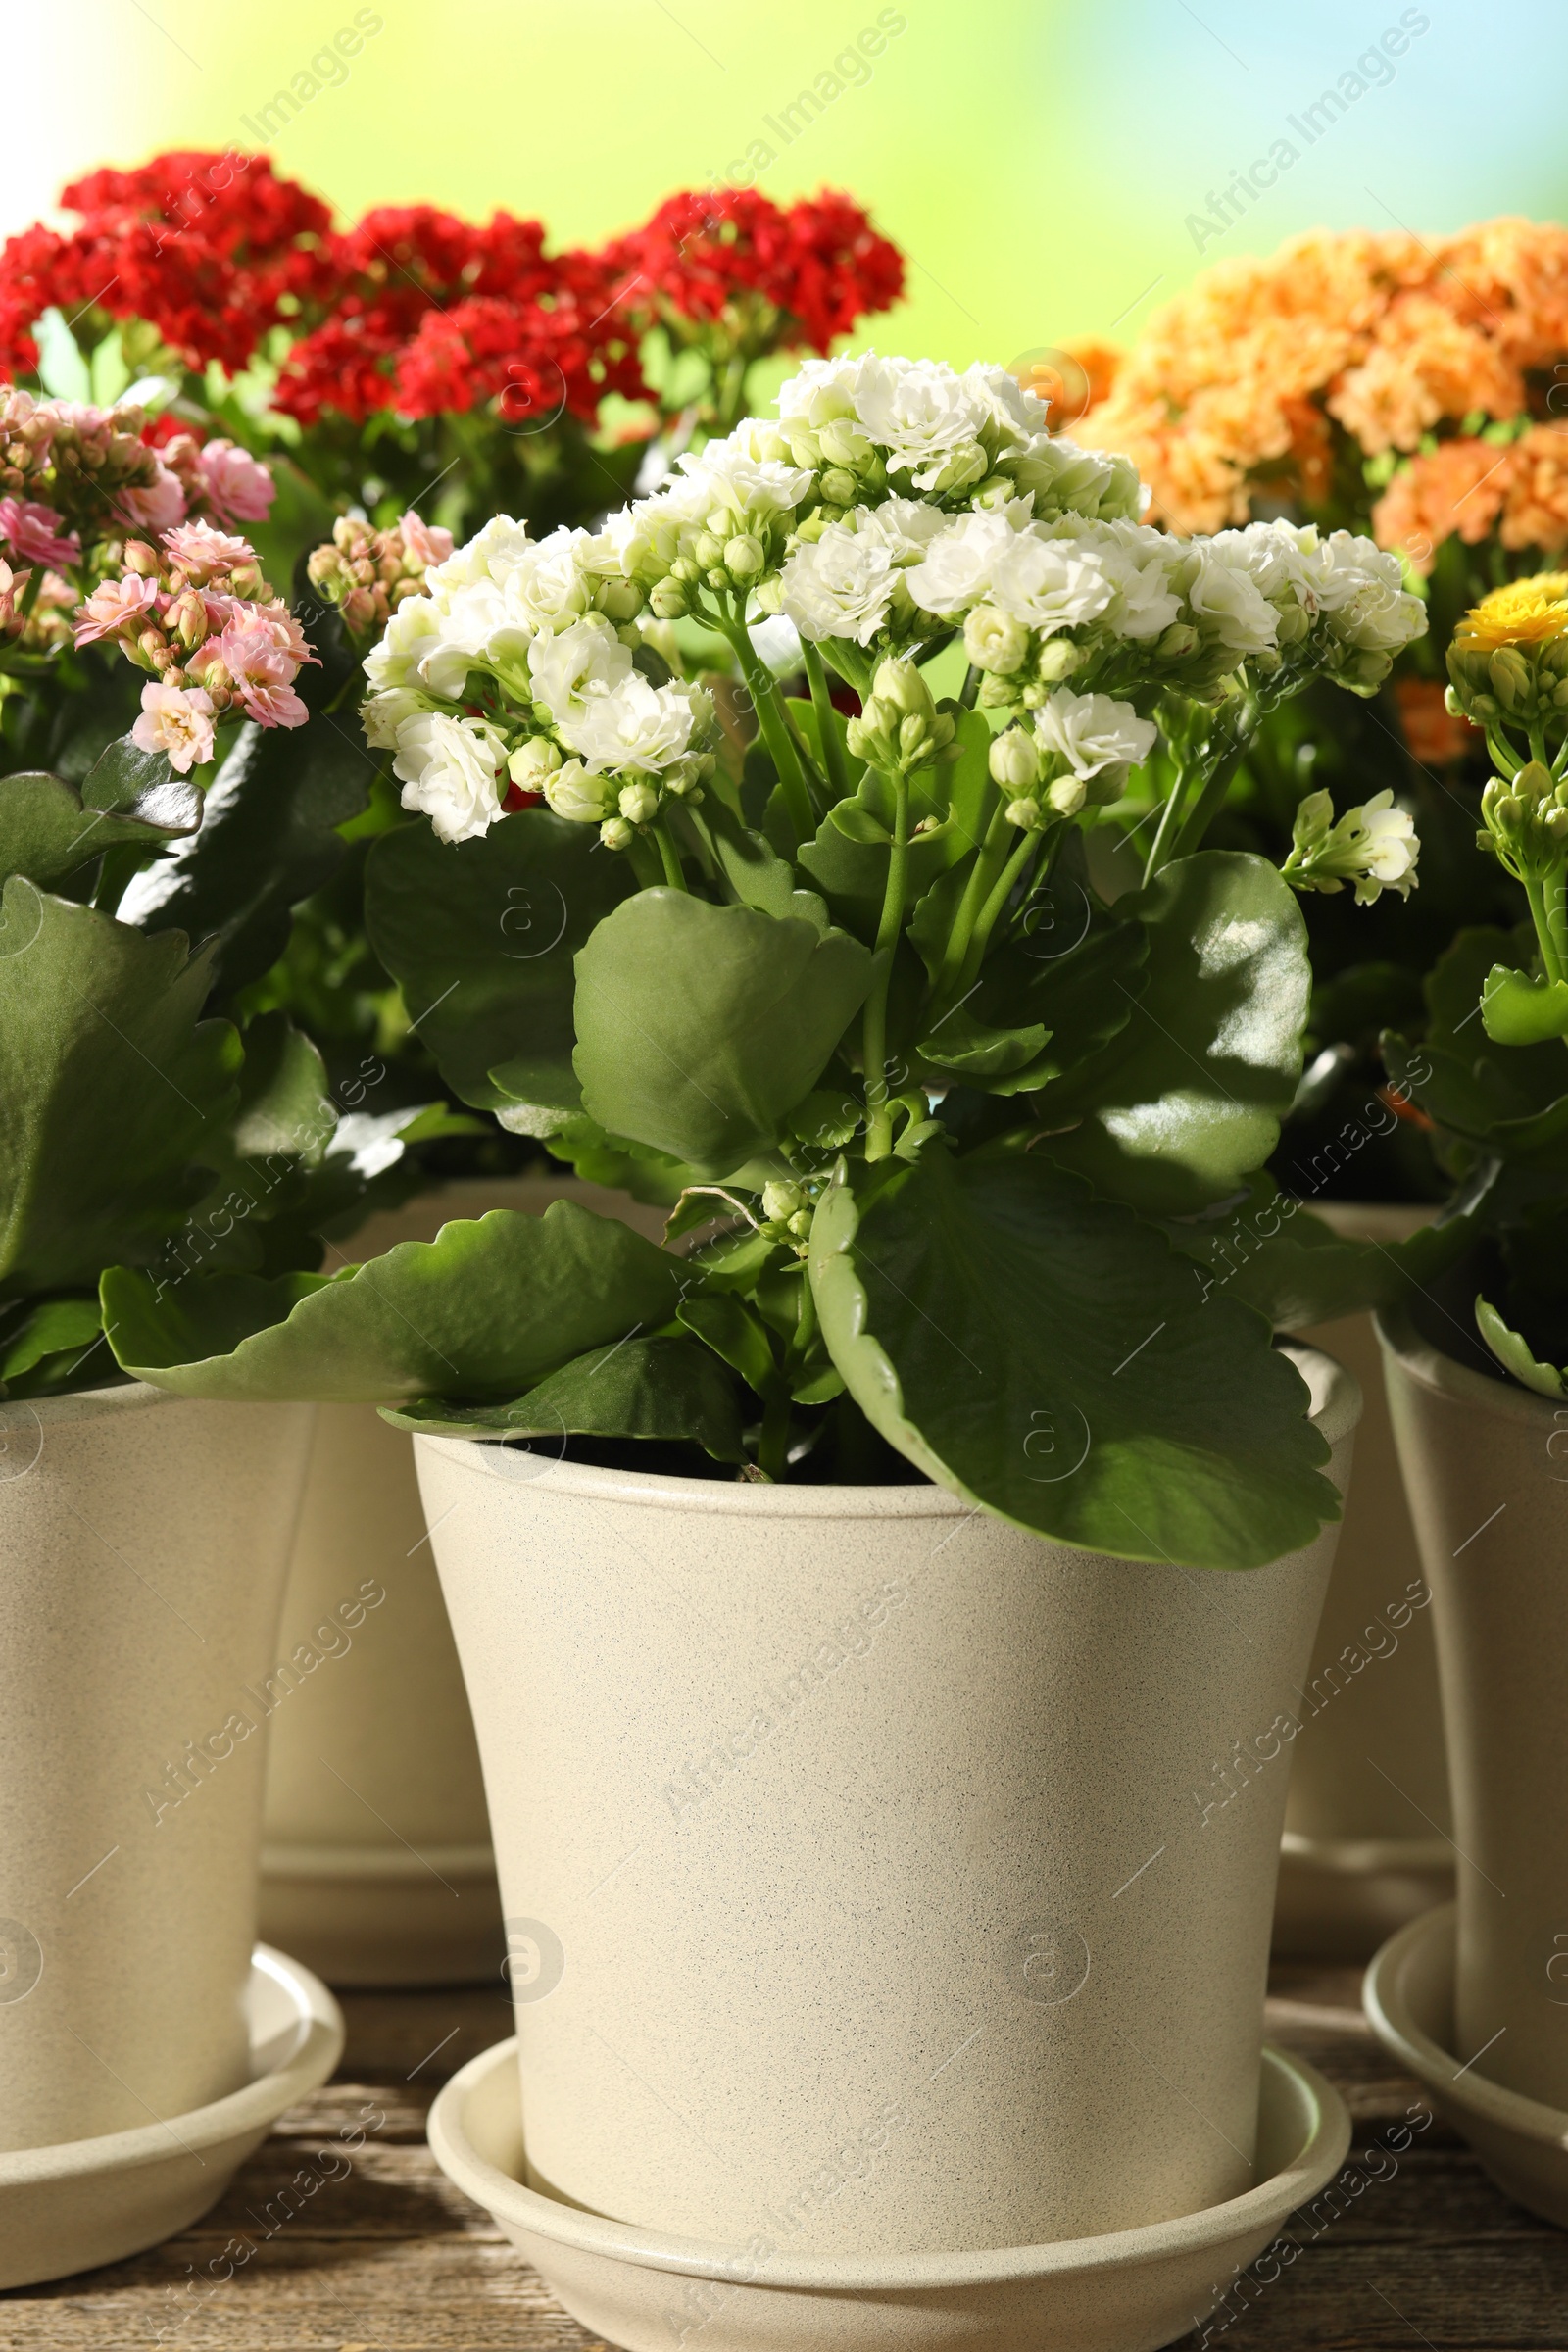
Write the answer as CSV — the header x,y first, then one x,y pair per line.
x,y
1366,1823
1486,1466
868,1883
377,1866
143,1544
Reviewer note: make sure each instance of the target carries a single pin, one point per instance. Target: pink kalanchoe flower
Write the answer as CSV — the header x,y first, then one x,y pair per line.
x,y
177,721
272,706
112,603
426,542
239,488
201,551
12,587
34,532
156,507
282,627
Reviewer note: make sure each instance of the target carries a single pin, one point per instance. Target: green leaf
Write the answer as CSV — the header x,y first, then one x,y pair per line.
x,y
1514,1355
850,854
480,936
700,1028
1044,1354
1519,1009
49,1338
963,1043
621,1166
284,1104
268,838
47,829
1188,1099
113,1090
757,875
664,1388
484,1311
1273,1254
733,1330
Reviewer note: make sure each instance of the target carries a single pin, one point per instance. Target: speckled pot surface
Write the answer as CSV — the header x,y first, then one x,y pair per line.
x,y
1486,1466
1364,1825
377,1867
143,1542
873,1872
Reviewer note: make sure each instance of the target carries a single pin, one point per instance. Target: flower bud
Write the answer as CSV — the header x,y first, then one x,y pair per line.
x,y
616,834
842,444
1059,660
781,1201
1510,677
639,804
1024,814
994,640
770,595
743,556
569,791
141,559
618,600
1014,762
1178,642
531,762
901,684
1292,624
669,600
707,552
1068,796
359,610
839,488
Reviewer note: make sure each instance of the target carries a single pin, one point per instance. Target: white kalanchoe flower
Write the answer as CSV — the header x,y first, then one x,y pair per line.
x,y
1090,739
1225,603
638,727
530,764
1138,562
492,553
926,418
1376,847
450,769
585,662
381,714
583,800
409,638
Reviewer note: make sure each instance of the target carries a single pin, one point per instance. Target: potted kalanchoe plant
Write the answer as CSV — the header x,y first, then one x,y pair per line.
x,y
1479,1425
919,1367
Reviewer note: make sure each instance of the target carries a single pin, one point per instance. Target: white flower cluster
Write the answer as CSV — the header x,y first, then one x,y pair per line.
x,y
535,644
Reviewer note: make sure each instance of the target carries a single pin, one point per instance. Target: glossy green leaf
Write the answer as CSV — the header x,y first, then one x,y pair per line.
x,y
1514,1355
48,830
756,877
851,864
733,1330
700,1027
977,1053
45,1343
1272,1253
664,1388
484,1311
113,1090
1044,1354
481,935
1188,1099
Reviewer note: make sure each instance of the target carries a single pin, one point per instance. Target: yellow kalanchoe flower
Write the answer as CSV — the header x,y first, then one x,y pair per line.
x,y
1529,612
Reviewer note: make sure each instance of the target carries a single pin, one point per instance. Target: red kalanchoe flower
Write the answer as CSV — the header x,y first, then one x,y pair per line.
x,y
534,362
772,279
840,270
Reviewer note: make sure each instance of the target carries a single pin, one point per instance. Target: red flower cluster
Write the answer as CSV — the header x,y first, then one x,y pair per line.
x,y
713,256
434,315
419,312
211,250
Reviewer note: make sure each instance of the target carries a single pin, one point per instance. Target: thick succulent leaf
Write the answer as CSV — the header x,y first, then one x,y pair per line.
x,y
480,936
268,839
756,875
664,1388
1046,1354
48,1345
1514,1354
112,1090
977,1053
1272,1253
1188,1099
484,1311
1523,1009
700,1027
48,829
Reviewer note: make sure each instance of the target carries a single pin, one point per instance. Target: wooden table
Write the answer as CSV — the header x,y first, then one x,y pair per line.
x,y
388,2257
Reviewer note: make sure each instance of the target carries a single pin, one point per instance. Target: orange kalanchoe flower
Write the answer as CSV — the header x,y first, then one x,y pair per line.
x,y
1254,375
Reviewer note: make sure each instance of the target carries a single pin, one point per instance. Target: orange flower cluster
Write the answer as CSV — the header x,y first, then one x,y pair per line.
x,y
1251,379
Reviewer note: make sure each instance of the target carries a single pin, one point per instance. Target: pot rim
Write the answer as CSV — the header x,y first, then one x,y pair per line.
x,y
1320,2155
1433,1369
1335,1391
90,1404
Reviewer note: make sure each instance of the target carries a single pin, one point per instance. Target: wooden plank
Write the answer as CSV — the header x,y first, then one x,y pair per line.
x,y
314,2251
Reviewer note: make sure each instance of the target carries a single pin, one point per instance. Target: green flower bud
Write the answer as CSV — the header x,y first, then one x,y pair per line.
x,y
1068,796
667,599
781,1201
1292,624
616,834
620,600
1527,821
994,640
841,488
914,736
1511,678
1058,658
842,444
1014,762
799,1225
531,762
744,556
639,804
1024,814
770,595
901,684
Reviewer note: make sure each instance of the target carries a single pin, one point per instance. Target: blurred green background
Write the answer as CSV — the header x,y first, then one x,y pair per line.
x,y
1045,164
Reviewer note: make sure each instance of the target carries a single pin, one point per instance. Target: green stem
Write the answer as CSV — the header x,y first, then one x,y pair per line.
x,y
766,699
773,1447
1011,874
1207,805
646,862
879,1111
827,726
1167,817
1549,930
991,856
670,855
971,687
